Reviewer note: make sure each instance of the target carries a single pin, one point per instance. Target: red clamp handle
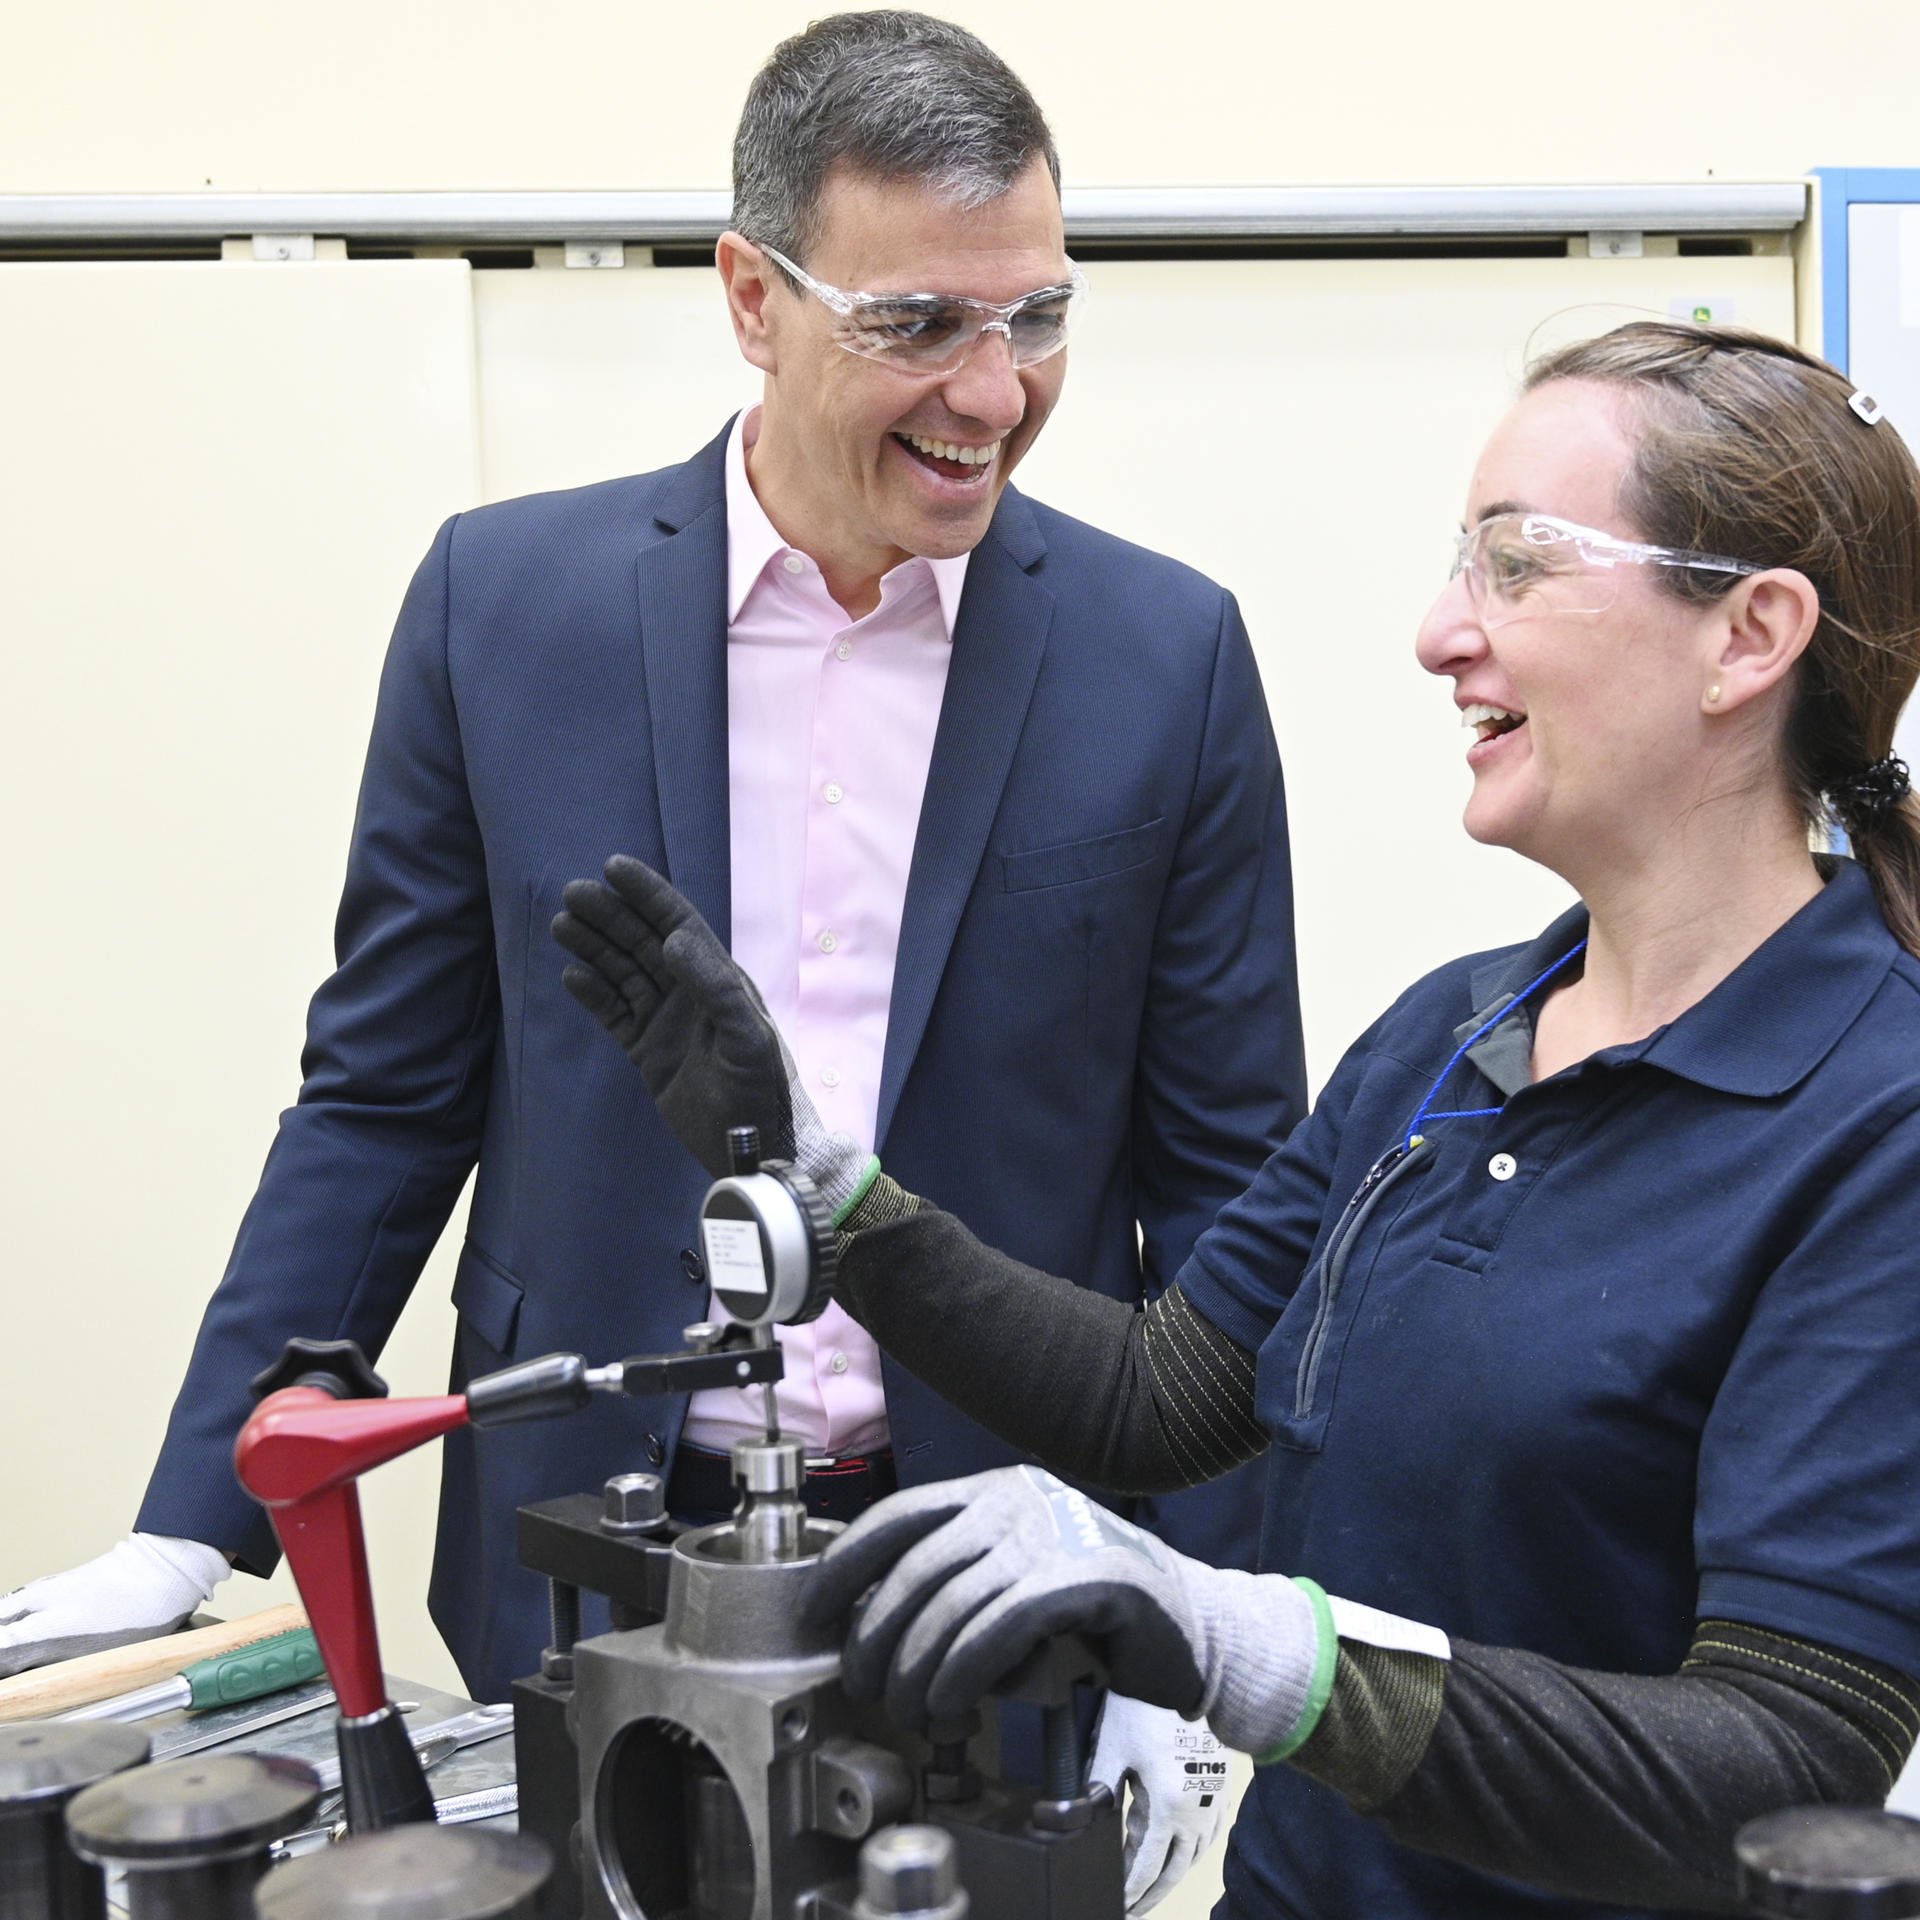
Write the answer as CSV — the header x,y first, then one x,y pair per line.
x,y
300,1456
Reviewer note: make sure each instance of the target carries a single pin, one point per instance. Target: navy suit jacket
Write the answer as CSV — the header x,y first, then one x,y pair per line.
x,y
1094,1021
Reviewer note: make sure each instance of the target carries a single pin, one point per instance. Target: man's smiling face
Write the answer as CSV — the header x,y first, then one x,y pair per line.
x,y
846,462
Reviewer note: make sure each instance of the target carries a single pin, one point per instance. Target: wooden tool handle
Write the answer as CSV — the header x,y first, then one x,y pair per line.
x,y
99,1676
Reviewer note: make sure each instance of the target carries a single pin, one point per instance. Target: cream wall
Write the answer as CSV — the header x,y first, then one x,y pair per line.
x,y
118,94
217,478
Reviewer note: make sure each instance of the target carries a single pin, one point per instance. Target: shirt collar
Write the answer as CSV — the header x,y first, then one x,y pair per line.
x,y
753,539
1762,1030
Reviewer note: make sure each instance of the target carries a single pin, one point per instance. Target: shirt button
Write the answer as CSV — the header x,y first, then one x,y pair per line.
x,y
829,1076
794,564
844,651
833,793
838,1364
829,941
1503,1166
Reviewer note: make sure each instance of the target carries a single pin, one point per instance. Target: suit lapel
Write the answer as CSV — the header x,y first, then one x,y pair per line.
x,y
682,581
999,638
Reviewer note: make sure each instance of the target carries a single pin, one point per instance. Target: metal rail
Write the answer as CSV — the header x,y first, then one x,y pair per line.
x,y
1172,216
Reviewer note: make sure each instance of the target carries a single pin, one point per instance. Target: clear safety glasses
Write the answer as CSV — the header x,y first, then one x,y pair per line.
x,y
934,332
1519,564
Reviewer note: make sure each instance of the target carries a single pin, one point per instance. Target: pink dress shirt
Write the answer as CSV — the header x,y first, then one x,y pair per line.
x,y
830,726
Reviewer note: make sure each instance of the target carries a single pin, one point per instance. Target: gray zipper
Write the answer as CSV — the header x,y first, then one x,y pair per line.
x,y
1333,1263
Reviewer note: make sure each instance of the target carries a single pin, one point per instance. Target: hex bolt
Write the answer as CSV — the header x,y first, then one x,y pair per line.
x,y
42,1768
193,1834
635,1503
909,1873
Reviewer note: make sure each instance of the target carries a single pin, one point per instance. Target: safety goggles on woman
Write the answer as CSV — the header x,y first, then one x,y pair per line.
x,y
1518,564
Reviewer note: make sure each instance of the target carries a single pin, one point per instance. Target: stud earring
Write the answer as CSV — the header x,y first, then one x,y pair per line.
x,y
1713,694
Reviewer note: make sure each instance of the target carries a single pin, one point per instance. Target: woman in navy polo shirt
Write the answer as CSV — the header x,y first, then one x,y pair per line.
x,y
1580,1322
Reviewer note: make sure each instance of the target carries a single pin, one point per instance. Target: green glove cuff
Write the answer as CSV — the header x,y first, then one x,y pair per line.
x,y
868,1175
1326,1660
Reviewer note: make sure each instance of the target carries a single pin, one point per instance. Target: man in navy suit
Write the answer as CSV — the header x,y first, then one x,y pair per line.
x,y
986,801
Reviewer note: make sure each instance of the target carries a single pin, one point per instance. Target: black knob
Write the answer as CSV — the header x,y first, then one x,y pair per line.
x,y
1830,1863
337,1367
692,1265
743,1149
42,1767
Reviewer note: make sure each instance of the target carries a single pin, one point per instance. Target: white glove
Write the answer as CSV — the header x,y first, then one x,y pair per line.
x,y
145,1586
1178,1772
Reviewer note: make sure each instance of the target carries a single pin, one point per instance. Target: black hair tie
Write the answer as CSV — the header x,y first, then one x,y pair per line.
x,y
1862,800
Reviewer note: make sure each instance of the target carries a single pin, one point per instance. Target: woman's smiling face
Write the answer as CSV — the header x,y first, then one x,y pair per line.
x,y
1585,694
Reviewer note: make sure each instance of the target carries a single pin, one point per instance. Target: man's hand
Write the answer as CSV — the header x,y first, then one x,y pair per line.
x,y
145,1586
974,1574
1177,1771
654,974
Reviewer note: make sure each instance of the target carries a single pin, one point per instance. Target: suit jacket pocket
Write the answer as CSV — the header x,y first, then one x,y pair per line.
x,y
1077,860
487,1297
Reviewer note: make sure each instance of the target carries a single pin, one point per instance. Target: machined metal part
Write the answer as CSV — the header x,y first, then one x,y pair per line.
x,y
724,1774
43,1766
411,1873
770,1520
701,1790
1830,1863
192,1835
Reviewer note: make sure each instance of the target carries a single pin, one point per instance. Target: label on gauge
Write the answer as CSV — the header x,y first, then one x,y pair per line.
x,y
734,1264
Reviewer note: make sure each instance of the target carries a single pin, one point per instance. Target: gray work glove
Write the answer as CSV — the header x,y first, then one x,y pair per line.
x,y
1176,1772
146,1585
655,975
973,1575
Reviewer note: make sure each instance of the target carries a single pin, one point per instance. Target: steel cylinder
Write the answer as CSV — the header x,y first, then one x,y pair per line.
x,y
1830,1863
43,1765
192,1836
412,1873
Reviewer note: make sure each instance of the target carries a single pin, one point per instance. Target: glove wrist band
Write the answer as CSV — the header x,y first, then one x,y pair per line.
x,y
868,1175
1326,1659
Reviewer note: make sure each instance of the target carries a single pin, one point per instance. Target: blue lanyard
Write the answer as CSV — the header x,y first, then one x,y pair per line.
x,y
1426,1112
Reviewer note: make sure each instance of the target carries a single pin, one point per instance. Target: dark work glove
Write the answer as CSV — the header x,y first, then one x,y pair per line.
x,y
973,1575
655,975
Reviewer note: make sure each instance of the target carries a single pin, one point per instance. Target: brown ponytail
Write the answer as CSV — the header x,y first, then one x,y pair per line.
x,y
1750,447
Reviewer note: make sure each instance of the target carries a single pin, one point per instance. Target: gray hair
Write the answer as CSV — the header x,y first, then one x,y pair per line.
x,y
890,94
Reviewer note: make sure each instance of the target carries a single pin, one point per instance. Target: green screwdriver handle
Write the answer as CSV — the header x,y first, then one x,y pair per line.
x,y
286,1660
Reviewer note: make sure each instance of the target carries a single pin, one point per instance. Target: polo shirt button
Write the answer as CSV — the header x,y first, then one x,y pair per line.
x,y
794,564
844,651
692,1265
833,793
838,1364
1503,1166
656,1449
829,941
